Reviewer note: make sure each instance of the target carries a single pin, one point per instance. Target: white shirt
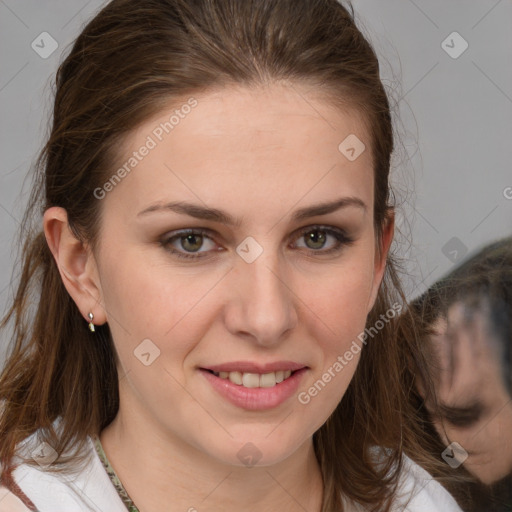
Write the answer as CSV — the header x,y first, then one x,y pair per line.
x,y
91,489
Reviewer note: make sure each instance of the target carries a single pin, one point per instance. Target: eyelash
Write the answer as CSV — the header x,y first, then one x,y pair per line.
x,y
463,418
342,241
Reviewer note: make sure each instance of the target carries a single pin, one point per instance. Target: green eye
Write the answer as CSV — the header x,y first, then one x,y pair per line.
x,y
188,243
191,242
315,239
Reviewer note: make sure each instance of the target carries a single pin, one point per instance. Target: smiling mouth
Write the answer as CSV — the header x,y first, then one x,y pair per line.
x,y
255,380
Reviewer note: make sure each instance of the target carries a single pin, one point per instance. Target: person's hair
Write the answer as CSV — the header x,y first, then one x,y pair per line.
x,y
130,61
481,283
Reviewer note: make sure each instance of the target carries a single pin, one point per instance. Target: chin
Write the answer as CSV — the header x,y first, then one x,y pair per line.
x,y
256,450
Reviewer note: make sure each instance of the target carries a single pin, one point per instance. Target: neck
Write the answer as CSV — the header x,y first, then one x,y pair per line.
x,y
178,477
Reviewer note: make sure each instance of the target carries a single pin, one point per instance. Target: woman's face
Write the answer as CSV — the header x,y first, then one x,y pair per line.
x,y
476,406
278,275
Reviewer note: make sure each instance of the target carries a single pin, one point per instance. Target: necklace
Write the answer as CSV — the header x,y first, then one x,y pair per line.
x,y
121,491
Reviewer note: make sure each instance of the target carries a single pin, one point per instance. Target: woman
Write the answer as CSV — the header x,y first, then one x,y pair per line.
x,y
217,298
466,319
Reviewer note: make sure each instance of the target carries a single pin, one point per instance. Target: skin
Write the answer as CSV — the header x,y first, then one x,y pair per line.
x,y
259,154
476,378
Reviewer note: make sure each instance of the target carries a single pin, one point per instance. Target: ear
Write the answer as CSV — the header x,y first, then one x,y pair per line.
x,y
76,263
381,253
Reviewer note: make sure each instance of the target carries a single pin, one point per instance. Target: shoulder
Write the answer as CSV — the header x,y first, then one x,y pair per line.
x,y
418,491
10,503
74,489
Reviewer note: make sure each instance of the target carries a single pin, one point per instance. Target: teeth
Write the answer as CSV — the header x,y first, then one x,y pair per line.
x,y
267,380
235,377
255,380
250,380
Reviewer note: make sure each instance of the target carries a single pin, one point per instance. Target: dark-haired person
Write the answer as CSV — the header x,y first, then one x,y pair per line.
x,y
466,318
215,239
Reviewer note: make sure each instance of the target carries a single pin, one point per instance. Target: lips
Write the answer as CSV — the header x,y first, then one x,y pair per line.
x,y
251,367
255,386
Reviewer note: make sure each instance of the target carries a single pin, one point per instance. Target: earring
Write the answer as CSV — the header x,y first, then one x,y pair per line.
x,y
91,325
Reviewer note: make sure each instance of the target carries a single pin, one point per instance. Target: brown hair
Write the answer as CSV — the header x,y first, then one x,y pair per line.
x,y
129,61
482,282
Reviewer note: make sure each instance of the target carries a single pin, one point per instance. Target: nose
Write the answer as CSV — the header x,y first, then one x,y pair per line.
x,y
262,304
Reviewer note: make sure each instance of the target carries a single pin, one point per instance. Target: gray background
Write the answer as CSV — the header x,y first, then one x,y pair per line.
x,y
454,115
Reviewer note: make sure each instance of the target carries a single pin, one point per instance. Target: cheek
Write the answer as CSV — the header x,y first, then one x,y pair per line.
x,y
496,439
342,302
153,299
336,322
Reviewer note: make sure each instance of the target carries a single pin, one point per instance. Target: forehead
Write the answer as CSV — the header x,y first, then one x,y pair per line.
x,y
467,351
279,142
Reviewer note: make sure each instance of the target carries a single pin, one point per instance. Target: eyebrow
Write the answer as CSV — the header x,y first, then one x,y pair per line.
x,y
216,215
